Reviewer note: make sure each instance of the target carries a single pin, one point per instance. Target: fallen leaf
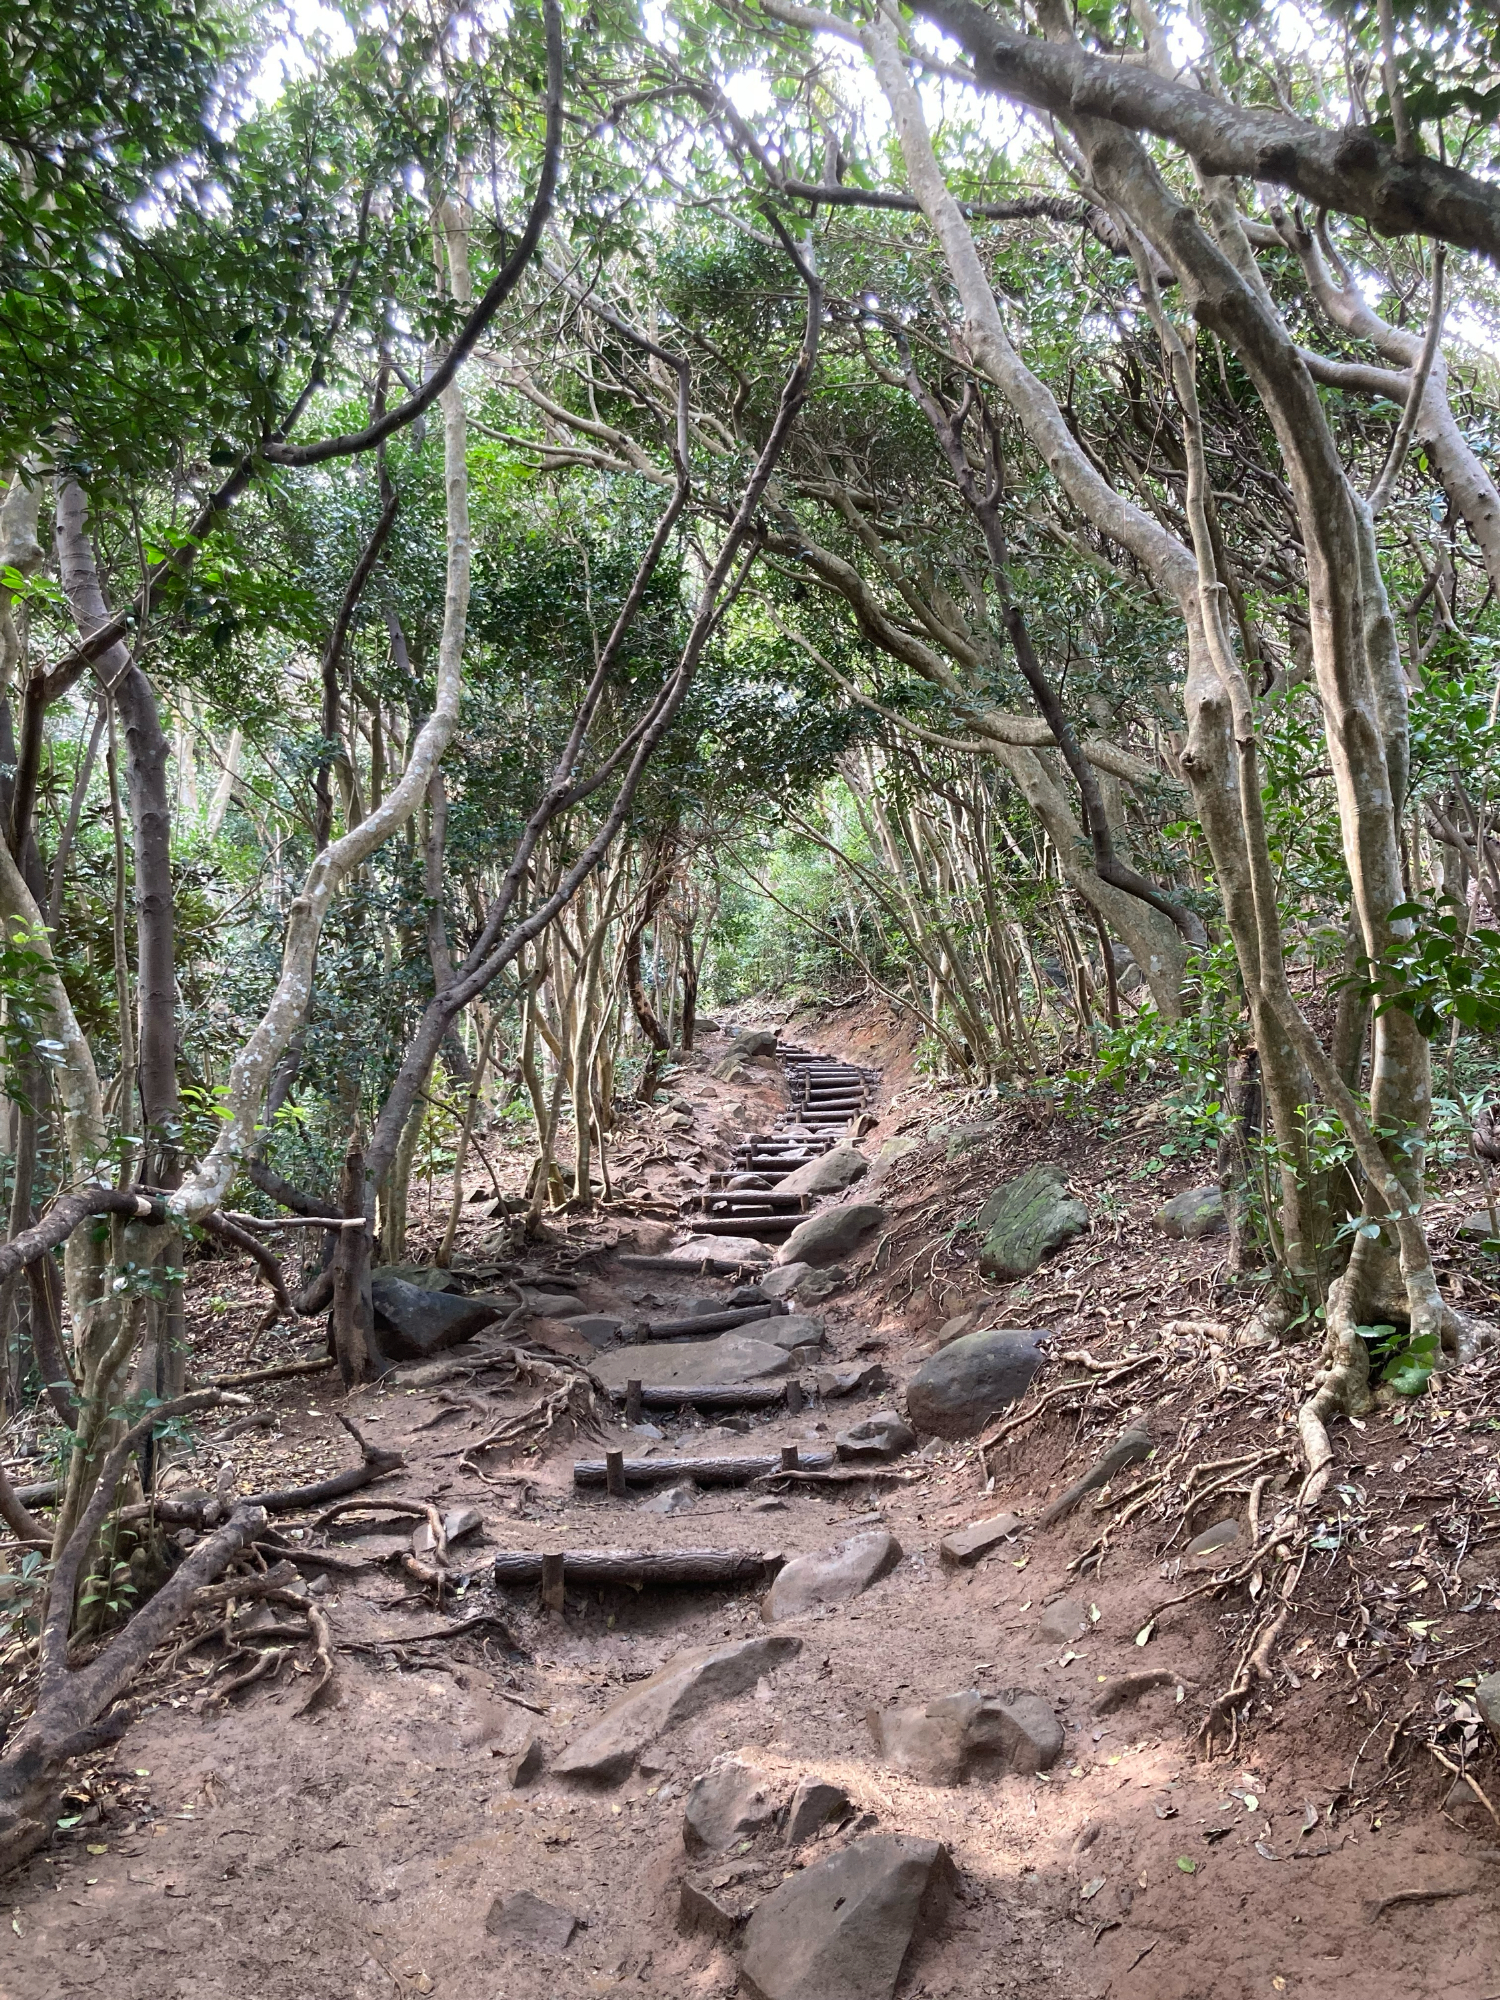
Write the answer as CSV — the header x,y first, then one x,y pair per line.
x,y
96,1850
1279,1984
1091,1889
1269,1853
1186,1863
1143,1637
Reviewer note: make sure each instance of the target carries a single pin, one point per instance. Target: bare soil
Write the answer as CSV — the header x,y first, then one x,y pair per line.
x,y
235,1848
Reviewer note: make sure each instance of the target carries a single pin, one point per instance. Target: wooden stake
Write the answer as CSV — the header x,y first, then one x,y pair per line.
x,y
614,1473
789,1459
632,1402
552,1583
794,1397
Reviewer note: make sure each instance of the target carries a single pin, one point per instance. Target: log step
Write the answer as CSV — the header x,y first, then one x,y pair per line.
x,y
631,1566
731,1225
705,1471
722,1396
715,1322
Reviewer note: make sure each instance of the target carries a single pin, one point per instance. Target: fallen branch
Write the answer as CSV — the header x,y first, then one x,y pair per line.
x,y
318,1365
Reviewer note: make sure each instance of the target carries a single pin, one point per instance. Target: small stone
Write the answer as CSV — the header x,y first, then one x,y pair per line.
x,y
1197,1213
967,1546
679,1499
956,1391
1461,1794
1487,1701
749,1295
814,1803
895,1149
461,1521
940,1741
877,1439
1222,1535
555,1305
822,1284
599,1329
522,1765
825,1238
1027,1220
831,1576
1476,1228
955,1329
768,1504
730,1801
1064,1619
841,1929
790,1330
527,1920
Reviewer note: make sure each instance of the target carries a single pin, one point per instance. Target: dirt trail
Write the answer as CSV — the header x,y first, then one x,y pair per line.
x,y
357,1852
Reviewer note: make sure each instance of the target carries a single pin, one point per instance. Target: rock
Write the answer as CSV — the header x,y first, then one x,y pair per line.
x,y
963,1139
527,1920
1222,1535
1460,1796
461,1521
751,1295
423,1277
895,1149
840,1167
814,1803
851,1379
522,1765
822,1284
698,1364
730,1801
1476,1228
598,1329
1199,1212
715,1910
679,1499
956,1391
789,1331
878,1438
724,1249
938,1742
676,1121
784,1280
1064,1619
841,1929
1026,1220
1486,1700
824,1238
554,1305
955,1329
831,1576
413,1322
608,1748
967,1546
752,1042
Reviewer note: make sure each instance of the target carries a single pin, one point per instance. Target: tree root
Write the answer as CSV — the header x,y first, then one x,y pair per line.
x,y
1254,1666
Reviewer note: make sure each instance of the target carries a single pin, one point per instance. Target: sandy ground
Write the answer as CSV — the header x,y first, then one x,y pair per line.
x,y
241,1849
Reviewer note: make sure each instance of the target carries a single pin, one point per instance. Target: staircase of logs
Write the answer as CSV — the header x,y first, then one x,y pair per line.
x,y
828,1098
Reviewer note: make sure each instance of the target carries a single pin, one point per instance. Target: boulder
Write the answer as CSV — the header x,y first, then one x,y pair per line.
x,y
608,1748
678,1499
697,1364
553,1305
426,1277
815,1802
831,1576
1026,1220
413,1321
876,1439
840,1167
939,1742
731,1801
1476,1228
598,1329
743,1250
752,1042
967,1546
824,1238
1199,1212
956,1391
528,1921
841,1929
